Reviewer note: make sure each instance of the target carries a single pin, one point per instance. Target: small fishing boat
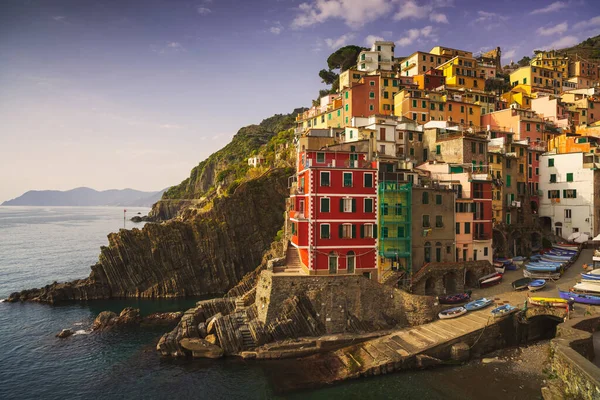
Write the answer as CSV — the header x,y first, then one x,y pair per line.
x,y
511,267
553,258
536,284
452,313
541,275
566,246
503,310
587,287
548,301
478,304
561,252
590,277
542,268
499,268
455,298
579,297
521,284
594,272
490,280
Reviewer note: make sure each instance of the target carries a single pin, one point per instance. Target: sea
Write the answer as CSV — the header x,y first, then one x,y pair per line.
x,y
40,245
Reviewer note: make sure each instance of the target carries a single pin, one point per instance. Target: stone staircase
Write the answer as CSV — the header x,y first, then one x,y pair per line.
x,y
293,264
391,278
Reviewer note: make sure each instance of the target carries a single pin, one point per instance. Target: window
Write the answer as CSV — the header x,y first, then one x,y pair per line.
x,y
398,209
449,107
363,66
441,106
425,198
414,104
401,232
554,194
347,179
426,223
521,168
467,227
507,180
551,162
368,180
507,219
414,116
384,209
368,205
481,147
458,228
367,231
570,177
372,83
346,94
508,163
371,95
423,104
427,250
386,95
348,205
473,147
320,157
567,213
553,178
346,107
325,178
325,204
395,82
438,199
438,252
371,107
439,221
347,231
325,231
384,232
438,149
385,82
462,109
485,251
570,193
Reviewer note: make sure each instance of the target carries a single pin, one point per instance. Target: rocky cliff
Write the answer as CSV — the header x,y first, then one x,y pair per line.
x,y
208,252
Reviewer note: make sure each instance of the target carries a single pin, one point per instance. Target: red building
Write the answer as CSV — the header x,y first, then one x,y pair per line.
x,y
333,213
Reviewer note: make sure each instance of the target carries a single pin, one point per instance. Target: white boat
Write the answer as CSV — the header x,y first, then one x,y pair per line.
x,y
541,275
452,313
594,272
587,287
500,270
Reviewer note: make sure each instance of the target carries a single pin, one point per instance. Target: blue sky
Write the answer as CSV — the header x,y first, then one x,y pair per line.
x,y
114,94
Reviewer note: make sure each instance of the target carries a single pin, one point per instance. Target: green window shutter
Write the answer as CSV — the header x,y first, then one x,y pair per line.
x,y
346,94
375,231
341,231
353,205
341,205
564,193
353,231
574,193
362,231
438,149
549,194
570,177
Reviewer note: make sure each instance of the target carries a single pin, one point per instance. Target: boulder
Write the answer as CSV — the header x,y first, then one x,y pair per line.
x,y
65,333
130,315
212,339
202,330
164,318
104,320
200,348
211,324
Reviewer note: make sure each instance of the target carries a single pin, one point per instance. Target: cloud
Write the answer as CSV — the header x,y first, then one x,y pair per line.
x,y
590,23
171,126
561,43
169,47
276,29
413,35
339,42
556,29
386,33
369,40
485,16
509,53
411,10
354,13
59,18
203,10
439,18
557,5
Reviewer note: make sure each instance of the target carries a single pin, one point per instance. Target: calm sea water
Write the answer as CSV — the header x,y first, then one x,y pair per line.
x,y
41,244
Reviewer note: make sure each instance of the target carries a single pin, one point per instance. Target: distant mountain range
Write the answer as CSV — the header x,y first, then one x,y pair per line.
x,y
84,196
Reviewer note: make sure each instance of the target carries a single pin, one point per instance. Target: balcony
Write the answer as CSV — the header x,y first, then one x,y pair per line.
x,y
482,236
513,204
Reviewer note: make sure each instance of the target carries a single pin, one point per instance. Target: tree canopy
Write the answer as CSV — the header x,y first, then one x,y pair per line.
x,y
344,57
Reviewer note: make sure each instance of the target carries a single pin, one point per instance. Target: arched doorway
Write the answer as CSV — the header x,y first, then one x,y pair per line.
x,y
430,286
350,262
546,223
333,263
450,282
558,229
471,279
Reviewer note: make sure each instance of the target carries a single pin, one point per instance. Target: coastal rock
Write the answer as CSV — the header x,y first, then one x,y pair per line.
x,y
104,320
212,339
202,330
212,323
162,319
201,348
65,333
208,252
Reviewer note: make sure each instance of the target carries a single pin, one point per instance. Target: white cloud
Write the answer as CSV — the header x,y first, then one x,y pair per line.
x,y
557,5
276,29
485,16
355,13
369,40
561,43
339,42
509,53
59,18
439,18
590,23
553,30
413,35
203,10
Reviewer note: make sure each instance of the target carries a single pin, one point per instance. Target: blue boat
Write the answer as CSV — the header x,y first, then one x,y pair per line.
x,y
562,252
503,310
542,268
580,298
590,277
478,304
536,284
551,257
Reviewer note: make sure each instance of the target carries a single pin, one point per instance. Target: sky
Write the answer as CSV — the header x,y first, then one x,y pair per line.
x,y
120,93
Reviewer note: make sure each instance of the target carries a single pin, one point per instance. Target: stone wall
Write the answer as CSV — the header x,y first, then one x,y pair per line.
x,y
436,279
342,303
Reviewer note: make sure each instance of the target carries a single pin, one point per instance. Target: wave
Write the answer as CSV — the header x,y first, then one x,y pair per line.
x,y
81,332
78,323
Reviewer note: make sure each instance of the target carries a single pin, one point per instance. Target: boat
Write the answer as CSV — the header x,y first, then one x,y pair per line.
x,y
553,258
452,313
536,284
587,287
541,275
594,272
500,269
521,284
478,304
590,277
490,280
562,252
519,261
579,297
503,310
566,246
548,301
455,298
542,268
511,267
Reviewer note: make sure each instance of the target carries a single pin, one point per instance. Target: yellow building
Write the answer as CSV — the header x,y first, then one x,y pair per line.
x,y
584,69
551,60
540,79
520,94
449,52
462,71
350,77
421,106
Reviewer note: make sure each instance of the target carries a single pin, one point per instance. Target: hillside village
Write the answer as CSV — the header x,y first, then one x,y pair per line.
x,y
434,161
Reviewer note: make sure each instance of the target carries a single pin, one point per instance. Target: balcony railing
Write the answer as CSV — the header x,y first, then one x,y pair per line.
x,y
481,236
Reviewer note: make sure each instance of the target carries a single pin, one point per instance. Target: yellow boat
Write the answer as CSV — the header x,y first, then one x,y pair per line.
x,y
548,301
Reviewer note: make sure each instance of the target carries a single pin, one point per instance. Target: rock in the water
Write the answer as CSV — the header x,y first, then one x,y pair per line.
x,y
130,315
211,323
104,320
202,330
165,318
212,339
200,348
65,333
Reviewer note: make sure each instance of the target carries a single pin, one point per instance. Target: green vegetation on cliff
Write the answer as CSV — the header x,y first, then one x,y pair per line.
x,y
230,163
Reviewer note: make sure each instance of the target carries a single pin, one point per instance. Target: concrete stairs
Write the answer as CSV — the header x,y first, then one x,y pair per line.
x,y
241,319
293,264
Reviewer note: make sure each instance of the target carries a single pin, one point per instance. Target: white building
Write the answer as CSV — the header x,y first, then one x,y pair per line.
x,y
567,185
256,161
380,57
